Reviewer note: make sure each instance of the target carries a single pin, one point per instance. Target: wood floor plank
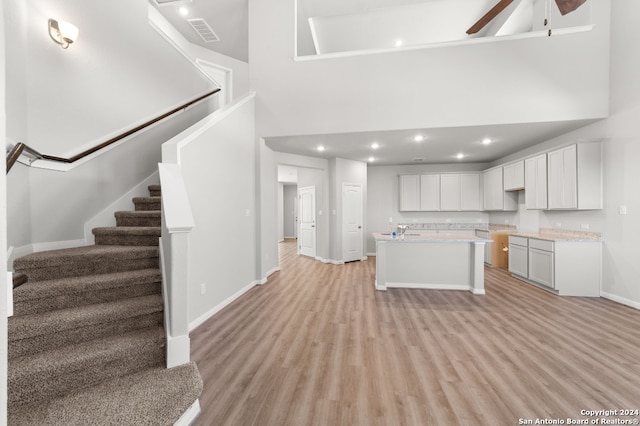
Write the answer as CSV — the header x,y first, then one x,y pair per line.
x,y
318,345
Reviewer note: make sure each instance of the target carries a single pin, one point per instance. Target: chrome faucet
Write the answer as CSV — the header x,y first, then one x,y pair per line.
x,y
402,229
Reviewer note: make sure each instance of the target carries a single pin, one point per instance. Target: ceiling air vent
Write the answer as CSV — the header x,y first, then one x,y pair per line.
x,y
203,29
418,159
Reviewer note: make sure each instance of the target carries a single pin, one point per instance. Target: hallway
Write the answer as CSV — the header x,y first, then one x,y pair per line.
x,y
318,345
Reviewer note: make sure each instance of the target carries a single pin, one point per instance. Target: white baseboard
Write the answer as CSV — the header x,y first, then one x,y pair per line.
x,y
331,261
371,254
621,300
426,286
202,318
178,350
190,415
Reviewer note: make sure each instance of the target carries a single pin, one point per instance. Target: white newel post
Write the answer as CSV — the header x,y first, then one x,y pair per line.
x,y
177,223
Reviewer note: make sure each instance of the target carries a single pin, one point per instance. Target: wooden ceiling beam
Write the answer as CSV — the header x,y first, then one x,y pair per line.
x,y
488,17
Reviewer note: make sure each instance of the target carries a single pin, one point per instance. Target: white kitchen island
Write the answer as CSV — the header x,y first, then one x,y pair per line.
x,y
430,261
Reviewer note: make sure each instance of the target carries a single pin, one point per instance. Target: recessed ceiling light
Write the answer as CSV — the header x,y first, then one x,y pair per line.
x,y
371,159
398,43
418,138
375,145
460,156
320,148
486,141
183,11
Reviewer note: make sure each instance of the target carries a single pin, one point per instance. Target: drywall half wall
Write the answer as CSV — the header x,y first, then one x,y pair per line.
x,y
542,79
267,214
217,158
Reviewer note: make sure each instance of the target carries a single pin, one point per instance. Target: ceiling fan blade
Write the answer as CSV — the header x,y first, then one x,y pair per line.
x,y
495,11
567,6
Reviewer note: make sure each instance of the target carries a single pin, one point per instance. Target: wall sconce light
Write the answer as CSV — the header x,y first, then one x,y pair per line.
x,y
63,33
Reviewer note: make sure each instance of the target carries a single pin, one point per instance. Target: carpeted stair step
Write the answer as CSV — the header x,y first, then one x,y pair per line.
x,y
44,296
59,372
139,218
87,260
155,396
30,334
154,190
147,203
127,235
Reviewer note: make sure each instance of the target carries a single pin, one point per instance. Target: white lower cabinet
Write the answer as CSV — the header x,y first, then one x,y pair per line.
x,y
541,267
568,268
518,257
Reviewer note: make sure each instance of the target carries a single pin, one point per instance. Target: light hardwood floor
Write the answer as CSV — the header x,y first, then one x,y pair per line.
x,y
317,345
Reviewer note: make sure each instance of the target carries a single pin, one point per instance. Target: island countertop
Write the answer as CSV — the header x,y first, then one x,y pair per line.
x,y
429,237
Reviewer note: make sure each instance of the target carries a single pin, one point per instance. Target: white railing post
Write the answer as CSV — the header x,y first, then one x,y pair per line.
x,y
177,223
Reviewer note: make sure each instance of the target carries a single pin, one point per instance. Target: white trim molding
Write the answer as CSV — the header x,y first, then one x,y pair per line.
x,y
190,415
211,312
621,300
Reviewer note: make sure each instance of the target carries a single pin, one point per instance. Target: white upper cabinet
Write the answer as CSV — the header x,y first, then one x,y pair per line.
x,y
574,178
450,192
535,188
440,192
514,176
495,197
470,193
409,192
430,192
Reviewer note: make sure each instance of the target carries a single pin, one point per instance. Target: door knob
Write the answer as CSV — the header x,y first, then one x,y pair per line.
x,y
359,227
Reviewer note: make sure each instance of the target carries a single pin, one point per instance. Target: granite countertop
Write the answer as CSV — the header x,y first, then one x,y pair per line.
x,y
423,237
550,234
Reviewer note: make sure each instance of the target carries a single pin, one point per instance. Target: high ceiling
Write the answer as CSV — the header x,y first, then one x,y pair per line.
x,y
229,21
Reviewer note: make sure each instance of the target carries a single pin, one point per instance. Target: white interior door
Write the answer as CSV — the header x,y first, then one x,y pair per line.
x,y
307,216
352,231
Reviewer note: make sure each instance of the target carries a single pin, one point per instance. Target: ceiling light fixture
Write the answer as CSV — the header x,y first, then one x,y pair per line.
x,y
398,43
460,156
320,148
375,145
371,159
183,11
63,33
486,141
418,138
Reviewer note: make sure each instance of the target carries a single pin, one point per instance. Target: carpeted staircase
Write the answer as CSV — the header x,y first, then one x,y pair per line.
x,y
86,342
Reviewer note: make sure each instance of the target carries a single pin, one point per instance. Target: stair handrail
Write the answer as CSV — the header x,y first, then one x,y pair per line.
x,y
20,147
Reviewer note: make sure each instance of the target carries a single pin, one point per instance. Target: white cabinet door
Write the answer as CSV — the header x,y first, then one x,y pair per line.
x,y
409,192
430,192
470,192
518,260
514,176
563,178
541,268
493,190
535,191
450,192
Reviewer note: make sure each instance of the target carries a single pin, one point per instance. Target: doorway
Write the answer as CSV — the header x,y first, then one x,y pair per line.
x,y
352,222
307,221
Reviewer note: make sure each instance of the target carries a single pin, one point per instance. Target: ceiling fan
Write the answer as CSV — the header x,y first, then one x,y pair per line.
x,y
565,6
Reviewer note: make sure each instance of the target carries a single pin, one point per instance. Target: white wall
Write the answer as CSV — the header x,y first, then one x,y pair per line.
x,y
290,199
383,202
280,204
3,234
268,261
46,206
63,101
219,171
529,80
